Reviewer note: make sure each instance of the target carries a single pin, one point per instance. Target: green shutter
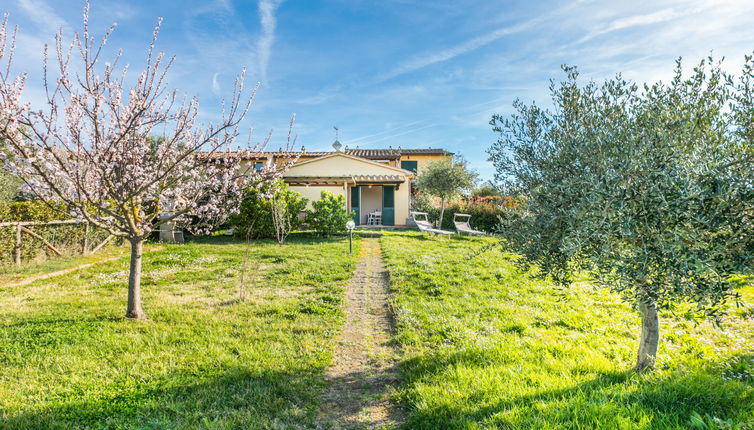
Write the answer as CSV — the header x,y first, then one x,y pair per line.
x,y
388,205
355,200
412,166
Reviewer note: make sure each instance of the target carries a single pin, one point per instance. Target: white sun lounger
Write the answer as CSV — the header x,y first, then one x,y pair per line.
x,y
462,225
424,225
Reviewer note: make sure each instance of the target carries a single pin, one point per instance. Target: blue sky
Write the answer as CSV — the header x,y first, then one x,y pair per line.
x,y
395,73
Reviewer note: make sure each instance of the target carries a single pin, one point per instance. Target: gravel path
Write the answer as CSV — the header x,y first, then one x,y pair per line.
x,y
363,371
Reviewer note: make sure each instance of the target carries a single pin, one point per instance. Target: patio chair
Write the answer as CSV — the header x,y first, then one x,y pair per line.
x,y
425,226
462,225
374,218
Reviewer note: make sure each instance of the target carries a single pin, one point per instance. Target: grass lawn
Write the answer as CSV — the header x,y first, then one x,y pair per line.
x,y
68,358
483,345
486,346
12,273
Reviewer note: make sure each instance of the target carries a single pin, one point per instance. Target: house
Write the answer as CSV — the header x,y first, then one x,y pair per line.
x,y
371,180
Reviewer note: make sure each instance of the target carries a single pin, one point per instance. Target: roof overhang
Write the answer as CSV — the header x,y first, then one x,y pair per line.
x,y
396,180
391,169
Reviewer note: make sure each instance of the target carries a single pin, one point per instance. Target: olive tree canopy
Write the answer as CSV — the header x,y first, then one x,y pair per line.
x,y
648,189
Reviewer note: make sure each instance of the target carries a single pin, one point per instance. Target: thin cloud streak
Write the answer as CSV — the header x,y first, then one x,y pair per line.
x,y
268,22
633,21
399,134
463,48
42,15
369,136
216,84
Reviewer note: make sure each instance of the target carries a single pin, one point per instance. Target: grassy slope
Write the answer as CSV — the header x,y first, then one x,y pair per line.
x,y
69,359
487,347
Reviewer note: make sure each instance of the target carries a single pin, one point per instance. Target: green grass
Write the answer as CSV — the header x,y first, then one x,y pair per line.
x,y
486,346
10,273
483,345
68,359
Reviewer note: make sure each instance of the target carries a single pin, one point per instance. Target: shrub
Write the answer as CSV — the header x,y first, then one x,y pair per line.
x,y
255,212
32,210
485,216
67,237
422,202
486,190
329,215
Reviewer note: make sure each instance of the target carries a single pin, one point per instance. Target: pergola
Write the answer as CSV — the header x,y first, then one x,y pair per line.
x,y
395,180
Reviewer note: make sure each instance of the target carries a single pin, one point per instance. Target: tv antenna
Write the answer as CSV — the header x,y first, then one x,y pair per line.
x,y
336,144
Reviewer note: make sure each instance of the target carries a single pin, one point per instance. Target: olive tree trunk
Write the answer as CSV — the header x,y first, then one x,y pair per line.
x,y
134,280
650,335
442,212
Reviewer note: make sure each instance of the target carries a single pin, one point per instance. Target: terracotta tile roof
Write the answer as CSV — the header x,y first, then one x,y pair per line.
x,y
347,178
374,154
380,178
370,154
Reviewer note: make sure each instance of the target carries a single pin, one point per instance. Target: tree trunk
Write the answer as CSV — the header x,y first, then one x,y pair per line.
x,y
134,281
650,335
442,212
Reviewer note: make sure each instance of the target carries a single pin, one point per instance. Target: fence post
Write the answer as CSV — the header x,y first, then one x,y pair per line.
x,y
17,249
85,245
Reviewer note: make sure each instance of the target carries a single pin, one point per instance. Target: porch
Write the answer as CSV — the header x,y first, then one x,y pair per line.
x,y
368,187
372,205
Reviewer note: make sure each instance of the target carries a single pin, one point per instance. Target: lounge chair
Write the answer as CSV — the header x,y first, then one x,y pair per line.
x,y
462,225
424,225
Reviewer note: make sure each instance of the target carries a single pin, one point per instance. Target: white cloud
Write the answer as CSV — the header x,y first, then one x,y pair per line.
x,y
394,135
42,15
390,130
216,84
268,22
633,21
471,45
460,49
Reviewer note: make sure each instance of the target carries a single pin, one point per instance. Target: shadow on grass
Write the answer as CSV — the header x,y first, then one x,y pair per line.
x,y
24,339
361,400
299,236
619,399
56,321
236,398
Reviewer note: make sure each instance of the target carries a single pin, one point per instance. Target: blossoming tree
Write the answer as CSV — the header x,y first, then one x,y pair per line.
x,y
93,146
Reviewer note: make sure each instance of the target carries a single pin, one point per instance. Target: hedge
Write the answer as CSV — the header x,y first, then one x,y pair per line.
x,y
66,238
484,216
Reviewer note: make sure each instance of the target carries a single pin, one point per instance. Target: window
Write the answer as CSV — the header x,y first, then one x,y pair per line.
x,y
258,165
410,165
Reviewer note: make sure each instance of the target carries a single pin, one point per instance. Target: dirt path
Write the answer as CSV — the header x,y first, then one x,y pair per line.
x,y
29,280
363,369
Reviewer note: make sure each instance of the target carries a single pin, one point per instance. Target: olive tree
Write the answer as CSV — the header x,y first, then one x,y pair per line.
x,y
446,178
649,189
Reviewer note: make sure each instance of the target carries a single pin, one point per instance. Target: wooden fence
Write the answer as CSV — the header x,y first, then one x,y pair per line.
x,y
22,227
